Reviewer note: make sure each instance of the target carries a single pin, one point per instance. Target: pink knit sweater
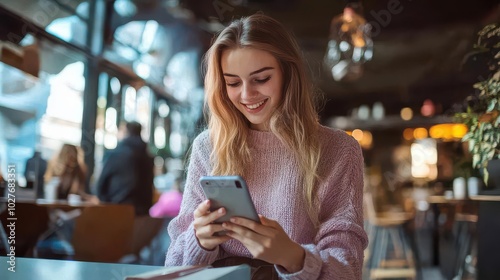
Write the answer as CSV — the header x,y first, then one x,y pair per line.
x,y
333,251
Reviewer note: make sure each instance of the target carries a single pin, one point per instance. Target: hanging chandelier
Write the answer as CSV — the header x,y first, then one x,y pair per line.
x,y
350,44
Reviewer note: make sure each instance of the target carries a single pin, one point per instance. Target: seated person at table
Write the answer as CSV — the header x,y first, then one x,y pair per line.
x,y
67,172
306,180
169,203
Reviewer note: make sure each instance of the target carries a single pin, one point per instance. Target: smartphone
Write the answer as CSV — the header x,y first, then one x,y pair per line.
x,y
230,192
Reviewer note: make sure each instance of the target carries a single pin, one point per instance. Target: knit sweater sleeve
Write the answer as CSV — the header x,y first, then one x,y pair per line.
x,y
337,252
184,247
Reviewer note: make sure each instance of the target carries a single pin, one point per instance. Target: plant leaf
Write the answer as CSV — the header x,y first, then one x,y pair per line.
x,y
491,154
472,144
476,158
467,136
492,105
486,176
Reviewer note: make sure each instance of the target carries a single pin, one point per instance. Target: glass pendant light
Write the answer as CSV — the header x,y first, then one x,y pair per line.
x,y
349,45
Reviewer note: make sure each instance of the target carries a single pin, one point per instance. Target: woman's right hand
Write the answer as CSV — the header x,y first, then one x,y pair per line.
x,y
205,228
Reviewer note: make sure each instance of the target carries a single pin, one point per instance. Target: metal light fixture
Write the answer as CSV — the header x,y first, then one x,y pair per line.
x,y
349,45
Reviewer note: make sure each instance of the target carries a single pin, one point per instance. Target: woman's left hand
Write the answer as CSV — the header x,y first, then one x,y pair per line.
x,y
267,241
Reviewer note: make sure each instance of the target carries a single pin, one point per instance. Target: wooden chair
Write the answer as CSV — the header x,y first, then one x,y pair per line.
x,y
145,230
32,221
103,233
466,257
386,235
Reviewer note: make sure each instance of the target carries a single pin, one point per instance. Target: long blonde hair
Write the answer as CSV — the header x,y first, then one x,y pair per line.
x,y
295,121
68,166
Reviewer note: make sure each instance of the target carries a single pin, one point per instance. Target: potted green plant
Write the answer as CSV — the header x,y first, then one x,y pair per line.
x,y
482,116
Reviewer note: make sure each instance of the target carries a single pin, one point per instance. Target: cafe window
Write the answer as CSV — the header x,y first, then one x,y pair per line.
x,y
37,77
67,20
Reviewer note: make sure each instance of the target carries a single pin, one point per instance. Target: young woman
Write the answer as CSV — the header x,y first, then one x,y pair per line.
x,y
68,172
306,180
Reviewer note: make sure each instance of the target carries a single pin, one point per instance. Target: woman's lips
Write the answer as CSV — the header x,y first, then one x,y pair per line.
x,y
255,107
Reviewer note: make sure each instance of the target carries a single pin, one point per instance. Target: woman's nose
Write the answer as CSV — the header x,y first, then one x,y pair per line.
x,y
247,91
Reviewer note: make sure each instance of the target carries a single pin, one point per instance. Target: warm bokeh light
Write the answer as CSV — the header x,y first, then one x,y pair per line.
x,y
364,138
448,131
357,134
424,159
437,131
367,140
428,108
420,133
408,134
406,114
459,130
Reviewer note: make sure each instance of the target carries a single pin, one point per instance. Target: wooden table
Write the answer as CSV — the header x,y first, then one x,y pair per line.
x,y
441,199
45,269
64,204
32,218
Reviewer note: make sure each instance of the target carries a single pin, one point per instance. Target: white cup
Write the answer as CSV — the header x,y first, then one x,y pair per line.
x,y
50,189
448,194
74,198
459,188
473,186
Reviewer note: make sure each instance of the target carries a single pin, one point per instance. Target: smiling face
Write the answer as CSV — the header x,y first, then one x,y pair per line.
x,y
254,84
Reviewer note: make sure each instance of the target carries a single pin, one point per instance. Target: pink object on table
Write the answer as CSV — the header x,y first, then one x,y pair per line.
x,y
168,205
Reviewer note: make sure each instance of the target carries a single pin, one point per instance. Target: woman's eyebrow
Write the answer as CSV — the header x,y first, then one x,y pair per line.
x,y
261,70
252,73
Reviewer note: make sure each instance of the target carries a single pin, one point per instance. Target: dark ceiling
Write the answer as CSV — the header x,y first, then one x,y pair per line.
x,y
418,50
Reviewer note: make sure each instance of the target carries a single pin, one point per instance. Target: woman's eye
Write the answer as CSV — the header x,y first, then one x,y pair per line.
x,y
263,80
233,84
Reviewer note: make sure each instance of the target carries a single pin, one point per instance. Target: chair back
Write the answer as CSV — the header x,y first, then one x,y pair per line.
x,y
145,229
32,221
103,233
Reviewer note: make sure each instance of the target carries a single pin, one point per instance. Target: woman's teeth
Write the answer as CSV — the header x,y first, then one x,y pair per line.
x,y
256,105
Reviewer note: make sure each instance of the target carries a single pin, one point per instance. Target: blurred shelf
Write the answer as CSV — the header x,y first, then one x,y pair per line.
x,y
388,122
486,197
441,199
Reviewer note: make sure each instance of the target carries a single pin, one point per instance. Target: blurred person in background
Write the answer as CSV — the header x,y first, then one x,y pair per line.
x,y
169,203
127,175
66,172
34,172
2,183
